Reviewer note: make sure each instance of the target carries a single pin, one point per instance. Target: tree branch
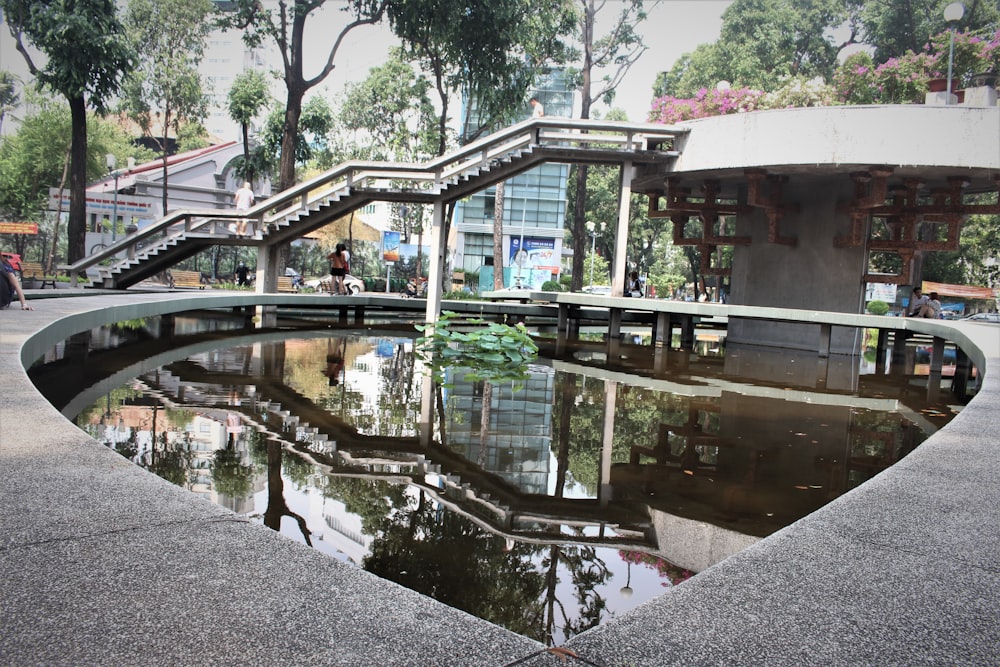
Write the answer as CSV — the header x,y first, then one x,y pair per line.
x,y
328,67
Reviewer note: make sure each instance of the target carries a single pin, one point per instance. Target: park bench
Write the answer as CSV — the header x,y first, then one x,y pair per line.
x,y
285,284
186,279
34,271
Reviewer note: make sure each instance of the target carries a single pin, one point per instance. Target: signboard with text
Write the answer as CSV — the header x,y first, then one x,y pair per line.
x,y
127,206
18,227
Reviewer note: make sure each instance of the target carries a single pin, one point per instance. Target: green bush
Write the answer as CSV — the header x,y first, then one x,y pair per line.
x,y
551,286
877,307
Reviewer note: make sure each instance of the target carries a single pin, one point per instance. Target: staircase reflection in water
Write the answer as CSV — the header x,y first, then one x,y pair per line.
x,y
524,505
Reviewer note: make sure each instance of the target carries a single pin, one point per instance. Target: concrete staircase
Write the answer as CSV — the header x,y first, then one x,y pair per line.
x,y
310,205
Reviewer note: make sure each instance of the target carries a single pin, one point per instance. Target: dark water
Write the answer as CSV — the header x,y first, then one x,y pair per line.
x,y
548,507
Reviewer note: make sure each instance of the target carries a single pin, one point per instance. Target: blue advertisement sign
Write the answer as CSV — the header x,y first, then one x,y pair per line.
x,y
390,246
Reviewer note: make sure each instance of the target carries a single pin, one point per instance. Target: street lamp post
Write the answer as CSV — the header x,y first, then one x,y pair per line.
x,y
952,14
593,230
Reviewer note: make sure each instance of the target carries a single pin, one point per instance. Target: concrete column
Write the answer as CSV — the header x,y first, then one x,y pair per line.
x,y
934,375
267,281
819,272
604,493
662,330
687,332
620,262
439,244
426,410
824,339
963,370
880,349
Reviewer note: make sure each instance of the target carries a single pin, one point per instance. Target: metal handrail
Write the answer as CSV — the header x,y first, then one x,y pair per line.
x,y
431,177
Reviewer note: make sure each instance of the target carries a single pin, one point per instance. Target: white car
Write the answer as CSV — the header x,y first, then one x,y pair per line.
x,y
353,285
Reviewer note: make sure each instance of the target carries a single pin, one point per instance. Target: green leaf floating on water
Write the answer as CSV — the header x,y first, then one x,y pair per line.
x,y
476,349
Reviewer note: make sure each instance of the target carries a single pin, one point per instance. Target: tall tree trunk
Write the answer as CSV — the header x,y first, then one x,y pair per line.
x,y
59,209
76,228
165,146
498,237
286,168
580,201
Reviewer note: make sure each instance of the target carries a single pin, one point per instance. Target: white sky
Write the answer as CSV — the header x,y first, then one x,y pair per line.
x,y
674,27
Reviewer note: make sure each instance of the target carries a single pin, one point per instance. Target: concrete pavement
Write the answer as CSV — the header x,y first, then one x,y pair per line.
x,y
104,563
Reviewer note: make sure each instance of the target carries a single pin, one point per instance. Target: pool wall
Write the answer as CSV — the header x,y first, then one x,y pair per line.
x,y
104,563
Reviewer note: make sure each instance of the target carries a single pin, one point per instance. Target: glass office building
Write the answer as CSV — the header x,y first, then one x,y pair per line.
x,y
534,209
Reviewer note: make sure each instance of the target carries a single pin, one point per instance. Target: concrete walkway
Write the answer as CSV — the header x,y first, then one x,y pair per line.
x,y
103,563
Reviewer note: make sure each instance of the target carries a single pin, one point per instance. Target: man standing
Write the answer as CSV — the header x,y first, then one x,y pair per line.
x,y
537,110
244,200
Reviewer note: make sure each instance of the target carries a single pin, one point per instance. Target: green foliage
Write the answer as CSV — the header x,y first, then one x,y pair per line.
x,y
895,28
551,286
487,350
877,307
86,54
312,137
286,27
390,115
490,51
229,476
165,90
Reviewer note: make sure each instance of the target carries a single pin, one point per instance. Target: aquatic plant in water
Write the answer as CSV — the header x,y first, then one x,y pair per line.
x,y
487,351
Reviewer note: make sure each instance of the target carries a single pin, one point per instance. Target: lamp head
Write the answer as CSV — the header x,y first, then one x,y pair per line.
x,y
111,161
954,12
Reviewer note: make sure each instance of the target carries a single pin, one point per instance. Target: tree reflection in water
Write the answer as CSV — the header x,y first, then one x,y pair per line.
x,y
592,446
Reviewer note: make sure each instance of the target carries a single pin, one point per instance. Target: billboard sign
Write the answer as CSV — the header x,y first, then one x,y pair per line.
x,y
390,246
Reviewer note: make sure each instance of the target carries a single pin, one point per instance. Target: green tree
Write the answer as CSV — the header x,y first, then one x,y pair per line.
x,y
86,59
614,53
390,114
247,99
893,28
9,97
37,157
286,28
488,51
316,121
164,90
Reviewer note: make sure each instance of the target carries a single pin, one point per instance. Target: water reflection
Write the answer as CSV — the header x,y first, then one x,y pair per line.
x,y
546,509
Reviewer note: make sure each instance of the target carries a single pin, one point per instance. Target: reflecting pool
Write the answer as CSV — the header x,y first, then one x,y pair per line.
x,y
546,506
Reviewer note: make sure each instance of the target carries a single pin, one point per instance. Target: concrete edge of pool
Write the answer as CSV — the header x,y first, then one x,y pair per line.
x,y
104,563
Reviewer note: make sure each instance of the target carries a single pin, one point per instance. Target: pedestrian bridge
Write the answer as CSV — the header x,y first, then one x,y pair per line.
x,y
352,185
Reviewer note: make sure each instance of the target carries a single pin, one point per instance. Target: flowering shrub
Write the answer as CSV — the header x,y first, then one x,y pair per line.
x,y
797,91
673,573
854,80
858,80
973,55
714,102
904,79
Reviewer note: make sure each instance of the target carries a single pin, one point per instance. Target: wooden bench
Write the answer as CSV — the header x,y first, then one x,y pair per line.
x,y
285,284
34,271
186,279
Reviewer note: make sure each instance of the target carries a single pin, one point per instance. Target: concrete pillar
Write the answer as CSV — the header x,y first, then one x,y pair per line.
x,y
267,281
439,244
880,349
605,492
963,370
662,330
934,374
825,331
817,273
620,262
687,332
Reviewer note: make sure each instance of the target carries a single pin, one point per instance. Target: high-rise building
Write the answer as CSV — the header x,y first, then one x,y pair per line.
x,y
534,209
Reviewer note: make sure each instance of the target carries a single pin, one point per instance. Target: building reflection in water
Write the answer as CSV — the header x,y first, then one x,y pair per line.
x,y
560,486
